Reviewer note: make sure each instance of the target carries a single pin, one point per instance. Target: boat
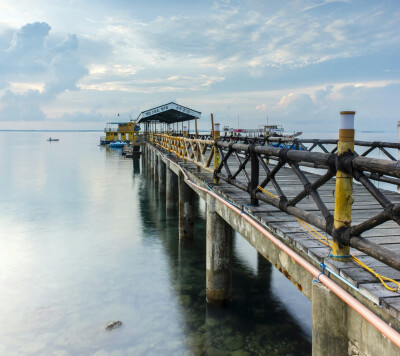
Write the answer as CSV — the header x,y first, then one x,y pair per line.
x,y
117,144
289,146
53,139
261,131
120,131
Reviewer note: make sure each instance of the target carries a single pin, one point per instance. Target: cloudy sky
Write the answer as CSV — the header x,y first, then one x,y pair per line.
x,y
76,64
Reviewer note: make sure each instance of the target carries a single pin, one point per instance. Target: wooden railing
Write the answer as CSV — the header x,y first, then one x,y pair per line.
x,y
250,164
192,150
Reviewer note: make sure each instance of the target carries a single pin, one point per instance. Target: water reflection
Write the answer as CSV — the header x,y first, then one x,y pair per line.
x,y
136,165
86,239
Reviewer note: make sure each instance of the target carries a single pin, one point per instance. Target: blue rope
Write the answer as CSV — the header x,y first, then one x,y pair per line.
x,y
334,256
323,272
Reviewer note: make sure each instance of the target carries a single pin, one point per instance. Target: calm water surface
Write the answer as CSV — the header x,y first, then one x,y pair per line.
x,y
85,240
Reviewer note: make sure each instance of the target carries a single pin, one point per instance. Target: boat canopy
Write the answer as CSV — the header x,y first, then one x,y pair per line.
x,y
168,113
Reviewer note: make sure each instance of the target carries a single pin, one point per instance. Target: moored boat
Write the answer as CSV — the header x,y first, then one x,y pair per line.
x,y
53,139
262,131
120,131
117,144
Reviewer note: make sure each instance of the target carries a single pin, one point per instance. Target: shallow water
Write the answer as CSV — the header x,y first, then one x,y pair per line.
x,y
85,240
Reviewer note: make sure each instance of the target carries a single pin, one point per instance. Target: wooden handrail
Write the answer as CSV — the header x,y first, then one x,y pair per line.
x,y
201,152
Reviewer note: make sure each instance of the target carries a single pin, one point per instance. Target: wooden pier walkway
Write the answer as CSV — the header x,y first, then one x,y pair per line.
x,y
165,161
318,217
294,234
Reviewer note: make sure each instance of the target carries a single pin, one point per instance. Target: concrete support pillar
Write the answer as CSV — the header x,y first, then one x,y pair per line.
x,y
171,189
329,323
155,167
143,156
218,257
150,158
161,175
186,209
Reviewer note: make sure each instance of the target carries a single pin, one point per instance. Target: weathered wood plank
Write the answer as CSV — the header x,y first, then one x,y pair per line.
x,y
392,304
358,275
376,292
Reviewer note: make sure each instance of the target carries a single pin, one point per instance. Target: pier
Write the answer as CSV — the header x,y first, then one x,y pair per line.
x,y
317,217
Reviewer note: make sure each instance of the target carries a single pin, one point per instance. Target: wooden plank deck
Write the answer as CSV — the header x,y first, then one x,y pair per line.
x,y
290,230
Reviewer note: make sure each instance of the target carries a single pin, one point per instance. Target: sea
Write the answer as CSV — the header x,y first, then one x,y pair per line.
x,y
85,240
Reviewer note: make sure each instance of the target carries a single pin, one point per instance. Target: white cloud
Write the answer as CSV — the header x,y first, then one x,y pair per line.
x,y
227,53
308,108
36,68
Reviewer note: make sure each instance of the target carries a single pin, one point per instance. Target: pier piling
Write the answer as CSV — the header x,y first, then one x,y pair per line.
x,y
186,209
171,189
328,323
151,161
218,257
161,176
155,167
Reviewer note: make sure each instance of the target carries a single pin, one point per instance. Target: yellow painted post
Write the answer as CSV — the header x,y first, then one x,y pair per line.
x,y
344,185
266,129
196,144
217,158
212,125
183,148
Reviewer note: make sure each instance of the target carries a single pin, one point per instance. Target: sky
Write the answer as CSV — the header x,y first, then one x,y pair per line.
x,y
76,64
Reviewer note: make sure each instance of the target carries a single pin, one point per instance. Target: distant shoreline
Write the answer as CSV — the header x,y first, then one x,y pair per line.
x,y
322,131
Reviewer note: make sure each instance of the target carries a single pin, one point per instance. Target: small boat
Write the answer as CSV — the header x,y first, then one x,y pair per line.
x,y
117,144
53,139
290,146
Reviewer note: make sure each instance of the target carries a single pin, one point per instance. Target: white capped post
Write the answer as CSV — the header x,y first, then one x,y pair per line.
x,y
347,120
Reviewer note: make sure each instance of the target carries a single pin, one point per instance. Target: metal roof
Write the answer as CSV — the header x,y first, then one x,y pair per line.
x,y
169,113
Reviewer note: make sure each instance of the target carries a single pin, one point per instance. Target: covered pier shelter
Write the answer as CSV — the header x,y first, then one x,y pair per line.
x,y
169,118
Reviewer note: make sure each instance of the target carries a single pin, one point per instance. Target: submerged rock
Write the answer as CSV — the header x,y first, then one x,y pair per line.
x,y
114,325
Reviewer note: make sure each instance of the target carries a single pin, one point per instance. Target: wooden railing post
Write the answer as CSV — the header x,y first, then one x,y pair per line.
x,y
344,187
217,158
254,179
